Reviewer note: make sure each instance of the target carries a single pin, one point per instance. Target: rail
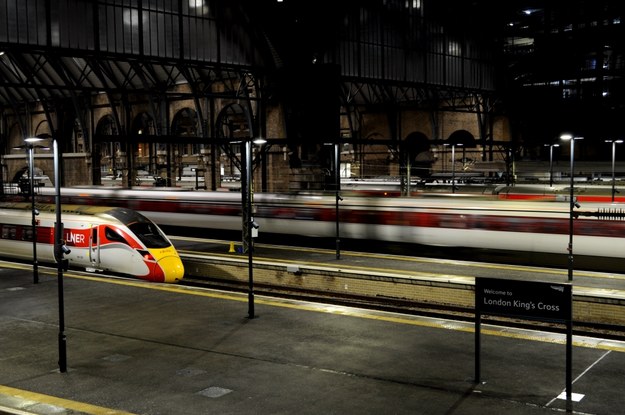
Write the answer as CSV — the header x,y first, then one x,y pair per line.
x,y
596,314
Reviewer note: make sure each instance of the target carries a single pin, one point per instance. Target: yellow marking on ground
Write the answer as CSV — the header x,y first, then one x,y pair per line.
x,y
368,314
85,408
13,265
60,402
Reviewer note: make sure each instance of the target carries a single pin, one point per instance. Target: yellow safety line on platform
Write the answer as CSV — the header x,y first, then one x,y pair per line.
x,y
13,265
60,402
368,314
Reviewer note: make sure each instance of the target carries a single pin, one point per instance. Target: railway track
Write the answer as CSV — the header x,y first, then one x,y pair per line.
x,y
278,284
464,314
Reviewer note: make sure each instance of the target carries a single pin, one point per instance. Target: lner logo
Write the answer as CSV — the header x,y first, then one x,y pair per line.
x,y
74,238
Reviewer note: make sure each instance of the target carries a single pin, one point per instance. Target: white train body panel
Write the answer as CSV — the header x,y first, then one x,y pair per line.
x,y
458,220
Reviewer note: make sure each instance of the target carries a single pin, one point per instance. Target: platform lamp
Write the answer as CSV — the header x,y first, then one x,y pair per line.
x,y
572,202
252,226
30,145
60,249
337,192
614,143
551,146
572,205
453,165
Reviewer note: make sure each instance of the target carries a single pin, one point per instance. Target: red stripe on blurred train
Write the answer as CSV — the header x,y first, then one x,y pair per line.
x,y
452,220
111,239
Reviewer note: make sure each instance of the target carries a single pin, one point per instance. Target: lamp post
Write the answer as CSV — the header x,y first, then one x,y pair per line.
x,y
31,170
59,250
453,166
337,186
551,146
30,146
569,331
251,225
572,202
337,192
249,221
614,143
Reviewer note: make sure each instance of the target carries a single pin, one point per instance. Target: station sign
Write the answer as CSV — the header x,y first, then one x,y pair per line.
x,y
530,300
523,299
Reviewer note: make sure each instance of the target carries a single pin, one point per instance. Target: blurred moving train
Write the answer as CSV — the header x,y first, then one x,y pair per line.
x,y
584,191
115,239
459,220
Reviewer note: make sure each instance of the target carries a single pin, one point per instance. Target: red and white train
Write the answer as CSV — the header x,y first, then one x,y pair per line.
x,y
111,239
453,220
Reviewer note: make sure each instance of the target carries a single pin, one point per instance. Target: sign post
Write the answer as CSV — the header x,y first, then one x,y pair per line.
x,y
528,300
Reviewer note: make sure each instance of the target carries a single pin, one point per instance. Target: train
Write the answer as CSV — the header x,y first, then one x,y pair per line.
x,y
452,220
98,239
600,192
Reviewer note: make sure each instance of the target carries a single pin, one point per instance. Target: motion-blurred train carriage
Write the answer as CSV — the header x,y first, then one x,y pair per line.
x,y
483,222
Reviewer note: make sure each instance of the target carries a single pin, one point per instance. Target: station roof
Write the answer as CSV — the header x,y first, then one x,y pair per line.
x,y
569,52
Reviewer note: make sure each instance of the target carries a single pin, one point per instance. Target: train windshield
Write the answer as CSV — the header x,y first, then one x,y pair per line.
x,y
149,234
145,229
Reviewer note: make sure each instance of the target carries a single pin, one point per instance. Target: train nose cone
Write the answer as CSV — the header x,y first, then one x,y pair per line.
x,y
172,268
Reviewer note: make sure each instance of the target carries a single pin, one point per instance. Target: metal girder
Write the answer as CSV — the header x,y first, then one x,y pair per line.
x,y
374,94
58,75
97,70
67,78
21,70
199,78
15,77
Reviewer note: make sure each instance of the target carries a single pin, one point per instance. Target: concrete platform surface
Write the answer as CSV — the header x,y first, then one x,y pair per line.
x,y
144,348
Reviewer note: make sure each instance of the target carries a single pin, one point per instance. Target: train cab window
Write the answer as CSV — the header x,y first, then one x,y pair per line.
x,y
113,236
149,234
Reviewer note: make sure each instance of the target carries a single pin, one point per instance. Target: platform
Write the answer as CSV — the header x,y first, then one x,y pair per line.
x,y
145,348
421,282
